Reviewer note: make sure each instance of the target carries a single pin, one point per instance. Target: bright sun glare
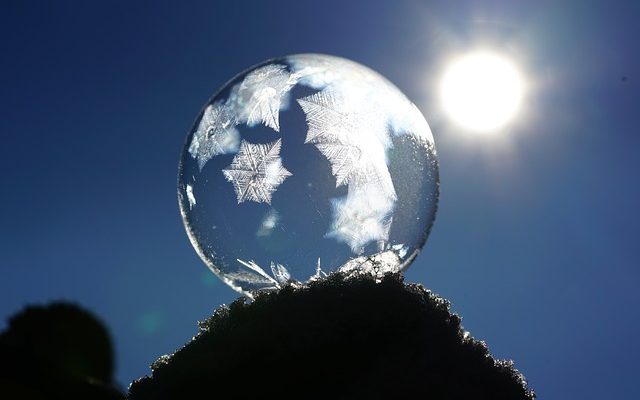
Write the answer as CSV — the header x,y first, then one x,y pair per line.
x,y
482,91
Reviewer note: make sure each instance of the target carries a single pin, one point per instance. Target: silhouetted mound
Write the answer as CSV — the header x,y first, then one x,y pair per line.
x,y
59,351
338,338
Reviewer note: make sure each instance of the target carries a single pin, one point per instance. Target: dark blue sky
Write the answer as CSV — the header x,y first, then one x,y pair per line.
x,y
535,242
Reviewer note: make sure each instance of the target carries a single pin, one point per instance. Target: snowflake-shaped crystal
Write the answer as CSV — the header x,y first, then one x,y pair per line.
x,y
328,117
344,160
256,171
216,134
334,131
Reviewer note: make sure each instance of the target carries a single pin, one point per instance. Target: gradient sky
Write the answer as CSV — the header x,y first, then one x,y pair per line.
x,y
535,242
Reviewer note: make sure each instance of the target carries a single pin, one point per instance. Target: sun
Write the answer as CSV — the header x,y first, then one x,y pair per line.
x,y
482,91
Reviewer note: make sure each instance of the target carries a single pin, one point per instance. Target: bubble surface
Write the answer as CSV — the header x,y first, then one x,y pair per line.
x,y
305,165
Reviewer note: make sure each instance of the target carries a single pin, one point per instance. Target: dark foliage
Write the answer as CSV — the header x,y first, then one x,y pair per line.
x,y
338,339
59,351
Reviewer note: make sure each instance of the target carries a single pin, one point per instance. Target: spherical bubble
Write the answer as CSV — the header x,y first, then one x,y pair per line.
x,y
305,165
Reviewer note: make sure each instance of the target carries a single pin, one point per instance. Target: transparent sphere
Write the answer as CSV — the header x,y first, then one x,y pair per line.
x,y
305,165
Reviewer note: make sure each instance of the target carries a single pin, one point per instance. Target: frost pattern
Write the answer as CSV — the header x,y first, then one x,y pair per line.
x,y
376,265
252,274
322,72
343,159
320,274
353,138
216,134
329,118
256,171
268,224
257,99
350,121
281,273
363,216
260,96
190,196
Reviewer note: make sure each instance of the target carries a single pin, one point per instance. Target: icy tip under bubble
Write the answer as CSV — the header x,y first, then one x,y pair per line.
x,y
375,266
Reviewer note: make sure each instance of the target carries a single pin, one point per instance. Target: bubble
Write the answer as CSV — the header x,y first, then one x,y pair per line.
x,y
305,165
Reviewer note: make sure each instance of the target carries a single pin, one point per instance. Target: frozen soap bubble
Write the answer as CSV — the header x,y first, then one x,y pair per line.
x,y
304,165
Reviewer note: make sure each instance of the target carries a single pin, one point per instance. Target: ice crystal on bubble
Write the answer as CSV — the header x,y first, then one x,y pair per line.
x,y
252,274
191,197
216,134
376,265
341,131
259,98
280,272
256,171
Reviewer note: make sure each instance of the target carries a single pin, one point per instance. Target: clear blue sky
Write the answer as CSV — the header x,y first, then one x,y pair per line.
x,y
535,242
